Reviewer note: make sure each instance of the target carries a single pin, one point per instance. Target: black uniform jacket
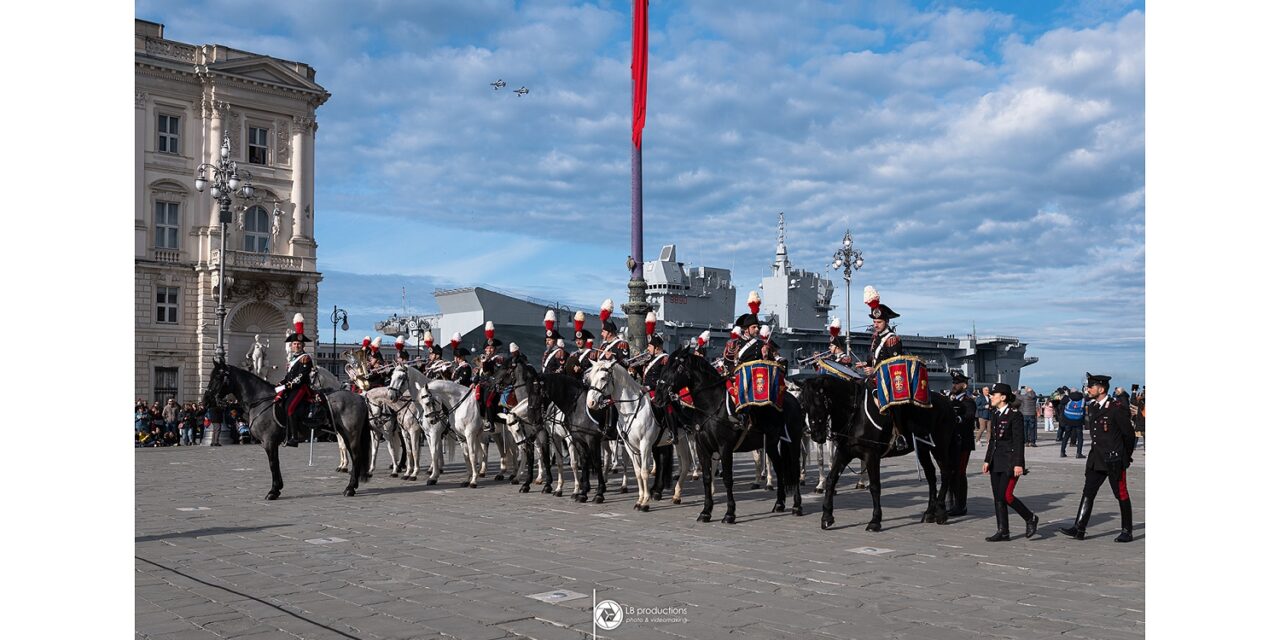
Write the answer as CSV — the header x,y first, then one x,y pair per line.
x,y
299,374
553,361
619,349
1004,450
884,346
751,349
462,374
653,370
578,363
966,410
1112,435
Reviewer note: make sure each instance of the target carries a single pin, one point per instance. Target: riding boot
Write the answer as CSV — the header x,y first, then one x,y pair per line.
x,y
1082,518
1126,522
1002,523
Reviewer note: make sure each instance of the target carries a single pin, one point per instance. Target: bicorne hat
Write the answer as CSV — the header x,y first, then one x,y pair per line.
x,y
297,335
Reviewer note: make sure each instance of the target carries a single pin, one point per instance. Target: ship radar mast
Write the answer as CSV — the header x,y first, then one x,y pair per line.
x,y
781,264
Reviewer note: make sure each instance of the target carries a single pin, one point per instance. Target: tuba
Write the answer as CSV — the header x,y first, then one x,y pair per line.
x,y
357,367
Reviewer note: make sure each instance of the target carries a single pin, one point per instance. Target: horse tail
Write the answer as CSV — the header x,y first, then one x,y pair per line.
x,y
363,446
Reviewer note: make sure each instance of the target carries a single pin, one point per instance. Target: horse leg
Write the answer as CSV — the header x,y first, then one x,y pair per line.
x,y
435,453
343,461
758,460
791,456
273,460
804,456
943,457
479,457
637,462
840,457
704,461
823,467
726,476
686,462
871,464
934,499
600,475
775,460
484,455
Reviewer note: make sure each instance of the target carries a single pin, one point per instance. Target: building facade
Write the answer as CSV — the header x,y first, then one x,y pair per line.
x,y
187,99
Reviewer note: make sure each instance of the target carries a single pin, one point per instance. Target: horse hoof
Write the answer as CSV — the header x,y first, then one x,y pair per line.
x,y
464,484
755,485
273,495
366,478
349,492
644,508
675,501
482,475
657,495
827,521
929,517
817,489
340,470
431,481
941,519
728,519
599,499
524,489
582,499
797,511
538,481
873,526
395,475
514,480
636,506
497,478
802,483
558,494
779,507
545,488
622,490
411,478
472,485
704,517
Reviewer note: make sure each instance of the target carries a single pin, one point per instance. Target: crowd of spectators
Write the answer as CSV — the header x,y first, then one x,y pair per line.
x,y
1048,413
183,425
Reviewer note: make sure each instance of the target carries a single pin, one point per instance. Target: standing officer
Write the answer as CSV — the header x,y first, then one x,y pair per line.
x,y
1110,453
295,389
965,409
1005,462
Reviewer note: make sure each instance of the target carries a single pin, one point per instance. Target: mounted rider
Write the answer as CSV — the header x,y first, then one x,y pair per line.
x,y
578,363
435,366
700,343
489,363
613,347
649,377
376,378
554,358
885,344
747,346
461,373
401,357
295,390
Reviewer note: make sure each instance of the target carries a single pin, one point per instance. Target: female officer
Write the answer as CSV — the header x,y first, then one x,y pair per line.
x,y
1005,462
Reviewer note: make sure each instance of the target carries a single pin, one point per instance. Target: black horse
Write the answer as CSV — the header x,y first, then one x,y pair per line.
x,y
343,412
846,411
778,432
569,395
524,383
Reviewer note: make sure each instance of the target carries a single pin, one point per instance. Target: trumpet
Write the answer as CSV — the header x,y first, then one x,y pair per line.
x,y
638,360
817,355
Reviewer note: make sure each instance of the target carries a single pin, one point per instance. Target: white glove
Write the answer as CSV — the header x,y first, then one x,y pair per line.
x,y
279,388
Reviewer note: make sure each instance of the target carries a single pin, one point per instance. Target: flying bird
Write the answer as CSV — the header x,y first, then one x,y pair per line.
x,y
521,91
499,84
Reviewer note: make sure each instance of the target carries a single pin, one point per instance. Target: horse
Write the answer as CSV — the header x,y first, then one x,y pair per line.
x,y
846,412
714,427
450,407
345,412
527,424
565,399
638,427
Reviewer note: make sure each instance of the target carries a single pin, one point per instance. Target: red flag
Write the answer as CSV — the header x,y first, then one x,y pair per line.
x,y
639,68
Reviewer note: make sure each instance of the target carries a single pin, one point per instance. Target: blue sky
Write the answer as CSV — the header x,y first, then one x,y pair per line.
x,y
989,157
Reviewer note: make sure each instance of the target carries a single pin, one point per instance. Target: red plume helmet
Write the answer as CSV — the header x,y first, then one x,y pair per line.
x,y
376,344
737,331
428,339
399,343
549,320
650,322
579,319
703,338
455,340
297,323
488,330
753,302
871,297
365,342
590,342
606,309
834,329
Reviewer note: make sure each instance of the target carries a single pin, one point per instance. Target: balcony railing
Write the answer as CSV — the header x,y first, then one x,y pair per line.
x,y
166,255
250,260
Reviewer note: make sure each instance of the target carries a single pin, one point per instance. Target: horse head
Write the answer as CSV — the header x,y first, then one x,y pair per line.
x,y
219,383
398,378
817,408
600,384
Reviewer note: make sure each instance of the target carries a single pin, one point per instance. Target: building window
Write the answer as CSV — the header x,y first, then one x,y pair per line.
x,y
168,132
166,384
257,230
167,305
166,225
257,145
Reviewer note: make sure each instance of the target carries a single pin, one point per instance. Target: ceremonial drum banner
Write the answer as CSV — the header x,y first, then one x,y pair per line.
x,y
827,367
759,384
902,380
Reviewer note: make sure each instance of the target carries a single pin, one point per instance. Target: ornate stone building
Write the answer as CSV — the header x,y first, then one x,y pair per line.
x,y
187,98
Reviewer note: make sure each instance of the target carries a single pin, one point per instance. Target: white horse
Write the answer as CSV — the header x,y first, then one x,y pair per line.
x,y
638,427
520,424
387,409
448,406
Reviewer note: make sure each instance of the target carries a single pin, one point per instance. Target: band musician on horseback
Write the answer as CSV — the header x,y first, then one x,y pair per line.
x,y
295,389
885,344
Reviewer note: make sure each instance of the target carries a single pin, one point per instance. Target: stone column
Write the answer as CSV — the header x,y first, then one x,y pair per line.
x,y
139,179
303,191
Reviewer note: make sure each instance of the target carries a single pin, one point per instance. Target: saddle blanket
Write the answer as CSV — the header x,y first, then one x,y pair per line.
x,y
900,381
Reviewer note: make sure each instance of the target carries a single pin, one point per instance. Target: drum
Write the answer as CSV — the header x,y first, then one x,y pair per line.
x,y
900,381
833,368
759,384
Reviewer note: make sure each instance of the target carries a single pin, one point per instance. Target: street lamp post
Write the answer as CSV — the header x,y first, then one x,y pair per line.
x,y
848,259
338,314
225,180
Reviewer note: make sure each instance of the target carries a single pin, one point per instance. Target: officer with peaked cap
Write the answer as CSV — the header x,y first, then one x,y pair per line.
x,y
1006,462
1110,454
966,410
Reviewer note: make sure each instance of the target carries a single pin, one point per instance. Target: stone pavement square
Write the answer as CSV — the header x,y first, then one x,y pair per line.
x,y
401,559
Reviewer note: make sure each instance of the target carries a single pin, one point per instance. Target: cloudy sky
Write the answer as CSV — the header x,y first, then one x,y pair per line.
x,y
988,157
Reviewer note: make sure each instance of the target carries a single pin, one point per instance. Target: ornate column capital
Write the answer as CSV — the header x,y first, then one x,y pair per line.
x,y
139,99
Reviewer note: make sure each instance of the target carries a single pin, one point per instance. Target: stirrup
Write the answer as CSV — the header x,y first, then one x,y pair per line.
x,y
900,443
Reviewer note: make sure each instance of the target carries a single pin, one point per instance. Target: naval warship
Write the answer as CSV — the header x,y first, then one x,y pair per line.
x,y
796,304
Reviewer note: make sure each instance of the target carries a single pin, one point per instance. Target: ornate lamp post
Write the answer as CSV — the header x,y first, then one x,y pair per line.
x,y
225,180
417,331
848,259
338,314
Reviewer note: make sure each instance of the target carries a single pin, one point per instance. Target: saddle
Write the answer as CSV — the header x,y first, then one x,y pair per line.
x,y
312,417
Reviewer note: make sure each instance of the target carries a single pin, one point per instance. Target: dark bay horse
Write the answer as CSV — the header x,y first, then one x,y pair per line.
x,y
524,383
846,412
569,397
778,432
344,412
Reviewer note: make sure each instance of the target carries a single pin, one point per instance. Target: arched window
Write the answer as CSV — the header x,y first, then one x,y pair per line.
x,y
257,230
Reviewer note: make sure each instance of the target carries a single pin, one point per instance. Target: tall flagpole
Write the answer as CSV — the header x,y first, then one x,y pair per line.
x,y
637,306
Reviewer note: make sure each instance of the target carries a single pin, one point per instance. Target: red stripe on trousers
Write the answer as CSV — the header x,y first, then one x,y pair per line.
x,y
297,397
1008,492
1124,488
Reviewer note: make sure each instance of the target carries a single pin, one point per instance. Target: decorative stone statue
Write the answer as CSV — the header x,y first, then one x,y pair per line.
x,y
258,356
